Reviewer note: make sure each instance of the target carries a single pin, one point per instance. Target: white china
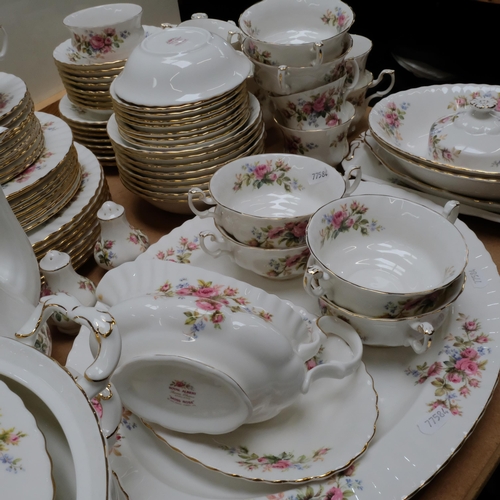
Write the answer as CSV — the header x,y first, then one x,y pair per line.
x,y
409,253
360,51
246,385
312,109
167,68
26,470
60,276
84,116
266,200
401,122
272,263
300,33
227,30
5,41
357,96
285,80
470,137
148,470
328,144
481,188
105,33
307,441
119,241
12,92
415,331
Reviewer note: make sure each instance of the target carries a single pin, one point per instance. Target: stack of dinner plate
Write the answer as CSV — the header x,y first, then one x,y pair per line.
x,y
21,136
181,111
89,129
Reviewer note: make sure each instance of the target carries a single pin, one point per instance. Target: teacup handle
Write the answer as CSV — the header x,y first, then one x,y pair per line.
x,y
318,50
311,281
451,210
282,73
231,34
381,93
336,369
217,252
426,330
5,42
355,69
100,322
205,199
352,185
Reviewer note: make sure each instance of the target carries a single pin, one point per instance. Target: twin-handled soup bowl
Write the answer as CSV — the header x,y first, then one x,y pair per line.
x,y
203,352
382,256
266,200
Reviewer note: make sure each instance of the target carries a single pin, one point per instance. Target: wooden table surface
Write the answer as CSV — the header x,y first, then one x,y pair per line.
x,y
470,468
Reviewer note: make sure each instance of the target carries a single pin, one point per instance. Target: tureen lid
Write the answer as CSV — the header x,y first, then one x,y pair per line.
x,y
469,138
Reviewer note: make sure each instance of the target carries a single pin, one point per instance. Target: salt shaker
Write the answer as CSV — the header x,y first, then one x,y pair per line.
x,y
119,241
61,277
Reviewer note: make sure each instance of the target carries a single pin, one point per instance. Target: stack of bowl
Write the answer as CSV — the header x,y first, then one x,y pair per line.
x,y
390,267
262,206
443,140
21,136
301,60
181,111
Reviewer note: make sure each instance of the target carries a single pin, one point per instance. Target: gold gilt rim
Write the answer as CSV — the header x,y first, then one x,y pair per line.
x,y
84,84
285,481
105,64
88,79
190,181
434,165
26,158
192,121
98,129
228,128
20,122
179,107
7,118
182,114
85,88
28,133
68,158
91,139
91,105
55,185
91,93
186,161
489,180
89,97
190,159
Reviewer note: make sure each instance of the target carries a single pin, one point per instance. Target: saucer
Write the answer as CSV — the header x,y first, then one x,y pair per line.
x,y
26,468
307,441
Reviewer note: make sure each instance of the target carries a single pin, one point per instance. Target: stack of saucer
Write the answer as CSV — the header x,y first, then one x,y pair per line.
x,y
75,228
89,129
182,110
40,191
21,137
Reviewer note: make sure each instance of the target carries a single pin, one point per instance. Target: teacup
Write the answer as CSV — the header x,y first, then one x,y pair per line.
x,y
285,80
5,42
382,256
310,33
328,144
273,263
267,200
106,32
357,96
360,51
244,366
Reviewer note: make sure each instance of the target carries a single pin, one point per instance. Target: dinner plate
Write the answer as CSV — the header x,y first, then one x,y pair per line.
x,y
12,93
418,431
26,469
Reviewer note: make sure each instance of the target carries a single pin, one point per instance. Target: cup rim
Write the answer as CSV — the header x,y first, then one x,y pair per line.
x,y
136,10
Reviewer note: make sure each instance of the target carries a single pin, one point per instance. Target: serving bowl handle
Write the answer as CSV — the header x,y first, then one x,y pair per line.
x,y
351,186
381,93
205,199
101,324
426,330
311,281
220,247
451,210
336,369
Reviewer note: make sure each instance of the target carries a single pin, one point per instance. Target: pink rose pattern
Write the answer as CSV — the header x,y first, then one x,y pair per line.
x,y
461,368
103,250
436,150
96,44
289,265
5,98
269,463
9,438
391,119
182,253
211,299
130,425
267,173
413,307
137,237
294,145
338,19
292,234
341,486
346,218
250,29
261,56
321,105
462,101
